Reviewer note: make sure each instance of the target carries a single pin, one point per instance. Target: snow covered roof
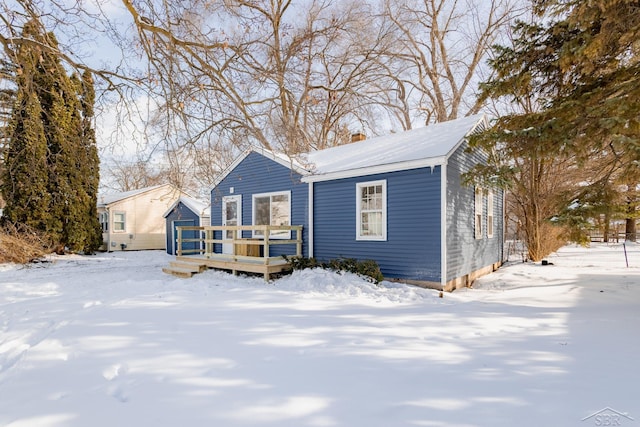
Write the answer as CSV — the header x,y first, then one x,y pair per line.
x,y
195,205
422,147
107,199
427,146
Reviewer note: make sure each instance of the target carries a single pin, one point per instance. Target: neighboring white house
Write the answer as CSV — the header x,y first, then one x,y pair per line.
x,y
134,220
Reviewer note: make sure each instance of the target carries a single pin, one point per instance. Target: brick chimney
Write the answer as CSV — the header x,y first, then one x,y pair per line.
x,y
358,136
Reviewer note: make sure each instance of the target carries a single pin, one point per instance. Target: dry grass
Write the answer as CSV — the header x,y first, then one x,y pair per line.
x,y
21,245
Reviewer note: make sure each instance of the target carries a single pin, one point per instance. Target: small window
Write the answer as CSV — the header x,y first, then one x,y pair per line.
x,y
119,221
104,221
490,214
478,212
272,209
371,210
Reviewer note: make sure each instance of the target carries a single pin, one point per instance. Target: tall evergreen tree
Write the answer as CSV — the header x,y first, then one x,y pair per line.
x,y
578,75
71,165
88,164
24,175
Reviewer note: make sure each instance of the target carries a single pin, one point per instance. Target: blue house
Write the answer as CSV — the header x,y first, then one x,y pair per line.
x,y
186,211
396,199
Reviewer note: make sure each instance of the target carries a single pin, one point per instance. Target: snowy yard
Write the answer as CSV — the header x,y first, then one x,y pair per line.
x,y
110,340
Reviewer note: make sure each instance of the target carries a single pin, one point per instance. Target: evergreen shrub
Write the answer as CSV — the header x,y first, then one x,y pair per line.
x,y
368,269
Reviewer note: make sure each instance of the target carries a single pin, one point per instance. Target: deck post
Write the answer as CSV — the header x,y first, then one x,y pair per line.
x,y
265,255
179,240
209,236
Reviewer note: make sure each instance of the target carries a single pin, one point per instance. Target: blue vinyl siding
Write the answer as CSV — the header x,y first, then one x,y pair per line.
x,y
465,253
257,174
180,213
412,248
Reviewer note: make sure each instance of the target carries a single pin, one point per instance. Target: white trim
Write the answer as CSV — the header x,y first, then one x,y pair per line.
x,y
359,186
270,195
225,199
391,167
443,225
310,222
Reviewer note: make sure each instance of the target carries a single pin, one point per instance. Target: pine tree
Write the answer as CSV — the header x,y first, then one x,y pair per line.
x,y
25,177
88,164
68,176
575,80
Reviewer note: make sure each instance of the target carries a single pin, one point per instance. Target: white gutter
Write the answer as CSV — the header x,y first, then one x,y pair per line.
x,y
310,221
378,169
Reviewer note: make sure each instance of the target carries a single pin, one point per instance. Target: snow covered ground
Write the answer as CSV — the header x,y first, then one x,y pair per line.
x,y
109,340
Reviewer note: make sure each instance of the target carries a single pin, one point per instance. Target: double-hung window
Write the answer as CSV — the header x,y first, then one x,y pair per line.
x,y
119,224
104,221
478,213
489,214
272,209
371,210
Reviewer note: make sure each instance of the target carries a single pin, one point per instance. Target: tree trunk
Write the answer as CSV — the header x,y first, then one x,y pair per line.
x,y
630,230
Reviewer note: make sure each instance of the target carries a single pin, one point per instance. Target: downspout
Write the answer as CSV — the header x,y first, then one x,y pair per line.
x,y
310,221
108,229
504,258
443,224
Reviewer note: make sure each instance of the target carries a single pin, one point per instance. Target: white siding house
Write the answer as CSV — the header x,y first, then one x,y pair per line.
x,y
134,220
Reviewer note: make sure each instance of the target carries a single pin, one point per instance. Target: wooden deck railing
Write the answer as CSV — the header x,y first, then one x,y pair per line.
x,y
205,243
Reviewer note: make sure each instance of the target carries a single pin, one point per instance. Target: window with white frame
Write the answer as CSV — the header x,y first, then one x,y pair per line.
x,y
272,209
104,221
119,223
478,212
371,210
489,213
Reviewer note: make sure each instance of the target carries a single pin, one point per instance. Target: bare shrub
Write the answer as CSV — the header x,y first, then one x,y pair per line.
x,y
20,244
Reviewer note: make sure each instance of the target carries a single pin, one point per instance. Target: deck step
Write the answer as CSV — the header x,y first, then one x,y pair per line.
x,y
192,266
178,272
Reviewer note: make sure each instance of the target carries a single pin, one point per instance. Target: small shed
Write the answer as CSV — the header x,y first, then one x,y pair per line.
x,y
186,211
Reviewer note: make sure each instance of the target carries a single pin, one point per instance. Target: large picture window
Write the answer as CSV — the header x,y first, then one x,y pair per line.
x,y
371,210
272,209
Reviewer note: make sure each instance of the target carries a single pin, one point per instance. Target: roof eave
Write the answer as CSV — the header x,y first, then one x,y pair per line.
x,y
378,169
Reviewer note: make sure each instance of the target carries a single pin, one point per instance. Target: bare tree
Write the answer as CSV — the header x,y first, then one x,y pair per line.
x,y
442,46
277,74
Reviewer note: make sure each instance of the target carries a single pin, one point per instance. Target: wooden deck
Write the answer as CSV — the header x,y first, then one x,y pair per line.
x,y
246,255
